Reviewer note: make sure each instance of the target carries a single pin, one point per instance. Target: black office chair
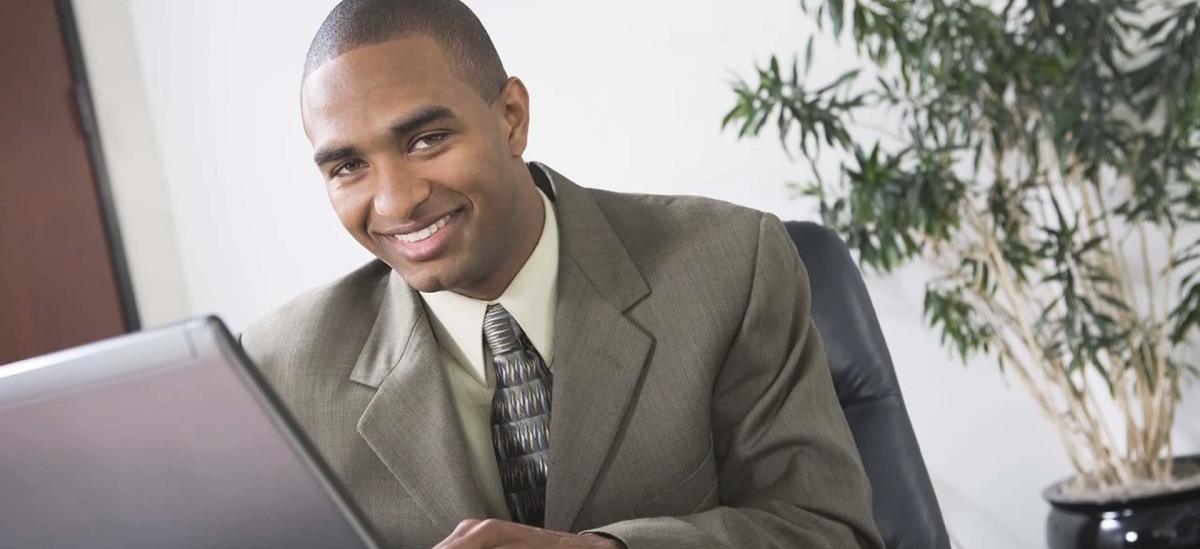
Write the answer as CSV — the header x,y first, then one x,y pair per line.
x,y
905,507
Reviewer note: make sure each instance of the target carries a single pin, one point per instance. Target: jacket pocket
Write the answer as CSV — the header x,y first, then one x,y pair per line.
x,y
696,492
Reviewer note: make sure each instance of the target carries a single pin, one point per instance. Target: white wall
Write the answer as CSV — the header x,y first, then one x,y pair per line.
x,y
627,95
140,191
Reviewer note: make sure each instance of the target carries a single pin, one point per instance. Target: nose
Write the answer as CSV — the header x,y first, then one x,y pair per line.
x,y
398,191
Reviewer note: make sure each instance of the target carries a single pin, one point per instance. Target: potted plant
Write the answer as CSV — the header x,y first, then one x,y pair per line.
x,y
1046,161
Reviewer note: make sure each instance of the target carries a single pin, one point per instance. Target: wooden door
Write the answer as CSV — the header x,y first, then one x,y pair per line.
x,y
62,278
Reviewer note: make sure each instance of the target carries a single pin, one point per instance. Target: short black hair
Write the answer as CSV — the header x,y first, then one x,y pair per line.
x,y
450,23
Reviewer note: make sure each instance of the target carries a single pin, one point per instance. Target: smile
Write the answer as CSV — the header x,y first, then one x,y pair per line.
x,y
422,234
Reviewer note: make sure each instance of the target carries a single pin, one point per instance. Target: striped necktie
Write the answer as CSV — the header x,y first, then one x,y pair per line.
x,y
520,416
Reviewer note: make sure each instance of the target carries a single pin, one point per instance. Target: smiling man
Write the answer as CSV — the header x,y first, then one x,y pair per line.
x,y
531,363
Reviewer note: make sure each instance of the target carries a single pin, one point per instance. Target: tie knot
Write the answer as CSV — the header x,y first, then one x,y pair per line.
x,y
500,331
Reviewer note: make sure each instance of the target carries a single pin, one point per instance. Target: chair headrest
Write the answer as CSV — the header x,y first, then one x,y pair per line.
x,y
842,310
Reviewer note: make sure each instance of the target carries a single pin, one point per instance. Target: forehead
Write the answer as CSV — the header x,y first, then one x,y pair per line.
x,y
378,81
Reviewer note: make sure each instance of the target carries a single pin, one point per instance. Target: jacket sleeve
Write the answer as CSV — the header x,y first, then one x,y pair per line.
x,y
789,474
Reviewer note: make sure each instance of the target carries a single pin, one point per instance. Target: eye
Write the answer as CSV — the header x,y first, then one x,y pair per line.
x,y
428,141
348,168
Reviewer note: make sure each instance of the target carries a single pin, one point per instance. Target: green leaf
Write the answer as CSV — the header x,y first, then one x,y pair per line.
x,y
808,55
837,11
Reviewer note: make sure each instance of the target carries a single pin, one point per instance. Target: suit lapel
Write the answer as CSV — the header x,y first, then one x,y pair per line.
x,y
599,353
411,423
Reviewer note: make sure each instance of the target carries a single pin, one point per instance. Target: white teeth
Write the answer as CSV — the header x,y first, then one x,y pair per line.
x,y
427,232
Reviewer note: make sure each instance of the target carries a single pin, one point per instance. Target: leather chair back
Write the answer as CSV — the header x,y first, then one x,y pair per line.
x,y
905,507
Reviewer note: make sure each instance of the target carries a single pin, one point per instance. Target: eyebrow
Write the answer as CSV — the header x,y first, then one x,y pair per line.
x,y
413,121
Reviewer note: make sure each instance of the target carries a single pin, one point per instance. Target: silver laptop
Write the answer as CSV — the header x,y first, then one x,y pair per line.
x,y
165,438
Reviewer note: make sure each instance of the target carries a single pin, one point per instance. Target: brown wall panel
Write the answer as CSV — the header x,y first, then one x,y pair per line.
x,y
57,282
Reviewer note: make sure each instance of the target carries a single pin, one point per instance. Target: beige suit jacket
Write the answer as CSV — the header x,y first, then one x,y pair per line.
x,y
692,405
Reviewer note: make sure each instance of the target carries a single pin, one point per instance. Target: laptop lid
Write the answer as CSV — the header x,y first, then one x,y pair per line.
x,y
164,438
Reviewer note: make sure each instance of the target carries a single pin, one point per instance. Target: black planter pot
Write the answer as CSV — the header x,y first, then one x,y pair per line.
x,y
1164,521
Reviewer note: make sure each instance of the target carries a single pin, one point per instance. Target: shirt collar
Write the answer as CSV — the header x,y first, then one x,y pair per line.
x,y
457,320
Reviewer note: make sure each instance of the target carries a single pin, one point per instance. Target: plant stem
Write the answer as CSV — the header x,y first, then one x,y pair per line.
x,y
1055,372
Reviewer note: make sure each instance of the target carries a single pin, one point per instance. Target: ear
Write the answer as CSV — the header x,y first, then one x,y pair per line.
x,y
513,103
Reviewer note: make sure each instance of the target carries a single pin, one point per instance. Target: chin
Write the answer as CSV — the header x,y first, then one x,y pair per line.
x,y
425,279
422,282
442,274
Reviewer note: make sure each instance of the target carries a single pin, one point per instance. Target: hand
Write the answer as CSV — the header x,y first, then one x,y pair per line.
x,y
486,534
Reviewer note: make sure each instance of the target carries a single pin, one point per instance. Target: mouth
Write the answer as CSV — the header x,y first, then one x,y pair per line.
x,y
426,232
427,242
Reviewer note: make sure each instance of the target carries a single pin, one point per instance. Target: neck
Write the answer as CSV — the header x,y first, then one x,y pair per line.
x,y
527,233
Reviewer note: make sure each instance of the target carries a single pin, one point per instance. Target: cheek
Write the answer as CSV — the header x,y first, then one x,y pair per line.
x,y
353,209
471,165
460,170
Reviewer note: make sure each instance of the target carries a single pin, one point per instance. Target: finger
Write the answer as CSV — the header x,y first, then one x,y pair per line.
x,y
527,537
496,533
461,530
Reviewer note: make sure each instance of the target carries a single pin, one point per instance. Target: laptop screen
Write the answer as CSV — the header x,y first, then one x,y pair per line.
x,y
160,439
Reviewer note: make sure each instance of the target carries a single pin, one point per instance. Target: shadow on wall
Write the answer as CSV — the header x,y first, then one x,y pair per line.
x,y
1189,431
973,527
1187,428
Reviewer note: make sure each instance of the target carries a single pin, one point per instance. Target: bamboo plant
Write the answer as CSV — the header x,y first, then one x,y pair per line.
x,y
1044,157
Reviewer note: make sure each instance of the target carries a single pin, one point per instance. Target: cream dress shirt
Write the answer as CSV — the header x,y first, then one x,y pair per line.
x,y
457,323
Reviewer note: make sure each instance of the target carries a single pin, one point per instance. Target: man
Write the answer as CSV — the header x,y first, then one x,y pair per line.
x,y
580,368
